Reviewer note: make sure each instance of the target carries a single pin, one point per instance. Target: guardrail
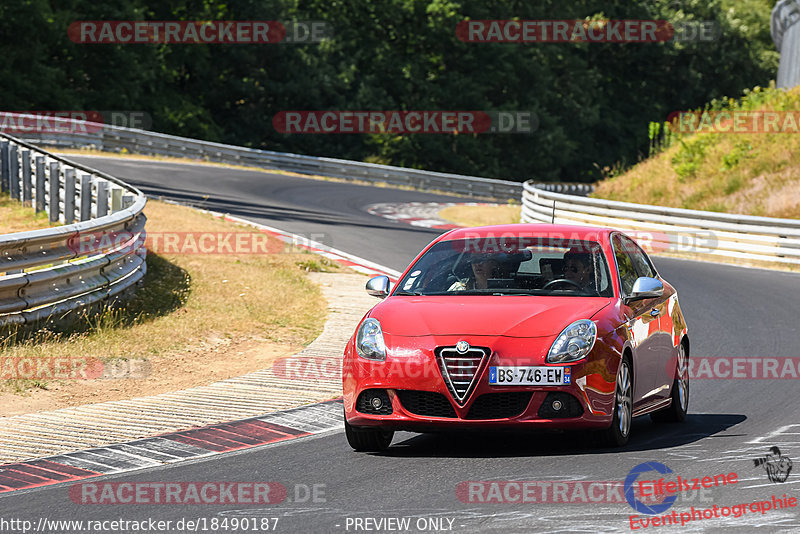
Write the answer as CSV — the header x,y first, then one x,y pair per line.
x,y
662,229
116,138
52,272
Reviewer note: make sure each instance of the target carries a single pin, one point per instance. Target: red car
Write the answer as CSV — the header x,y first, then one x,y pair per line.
x,y
523,325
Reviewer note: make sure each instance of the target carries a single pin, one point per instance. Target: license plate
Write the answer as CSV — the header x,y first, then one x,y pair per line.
x,y
530,376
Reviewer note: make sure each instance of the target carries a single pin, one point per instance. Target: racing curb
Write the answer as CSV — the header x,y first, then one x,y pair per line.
x,y
173,447
421,214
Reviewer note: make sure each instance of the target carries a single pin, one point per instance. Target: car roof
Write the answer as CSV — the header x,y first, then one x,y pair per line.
x,y
591,233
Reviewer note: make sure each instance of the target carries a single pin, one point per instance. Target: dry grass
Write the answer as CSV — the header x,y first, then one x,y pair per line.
x,y
14,217
481,215
197,318
754,174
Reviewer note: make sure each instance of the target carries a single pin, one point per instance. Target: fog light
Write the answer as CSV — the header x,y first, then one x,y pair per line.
x,y
556,405
376,403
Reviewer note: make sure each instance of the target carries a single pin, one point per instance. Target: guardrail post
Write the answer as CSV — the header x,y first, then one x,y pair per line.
x,y
4,147
116,199
13,172
59,282
102,198
27,192
40,179
86,197
55,191
69,196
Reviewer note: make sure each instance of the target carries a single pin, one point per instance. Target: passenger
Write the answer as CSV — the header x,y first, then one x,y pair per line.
x,y
484,267
579,268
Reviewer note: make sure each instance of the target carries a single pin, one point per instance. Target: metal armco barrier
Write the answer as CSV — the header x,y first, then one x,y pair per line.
x,y
660,229
115,138
95,256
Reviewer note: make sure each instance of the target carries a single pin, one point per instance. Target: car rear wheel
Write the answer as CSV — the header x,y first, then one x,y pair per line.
x,y
367,440
676,412
618,433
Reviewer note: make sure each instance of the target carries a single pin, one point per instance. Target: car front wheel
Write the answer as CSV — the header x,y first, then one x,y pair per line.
x,y
618,433
367,440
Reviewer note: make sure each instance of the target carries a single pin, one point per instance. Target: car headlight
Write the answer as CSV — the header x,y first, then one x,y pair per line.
x,y
369,340
573,343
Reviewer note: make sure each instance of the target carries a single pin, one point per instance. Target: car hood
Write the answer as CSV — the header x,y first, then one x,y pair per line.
x,y
513,316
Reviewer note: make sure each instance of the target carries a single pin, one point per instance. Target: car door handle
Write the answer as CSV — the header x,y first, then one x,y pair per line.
x,y
654,312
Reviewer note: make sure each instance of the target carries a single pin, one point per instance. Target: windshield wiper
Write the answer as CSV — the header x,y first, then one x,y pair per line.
x,y
416,293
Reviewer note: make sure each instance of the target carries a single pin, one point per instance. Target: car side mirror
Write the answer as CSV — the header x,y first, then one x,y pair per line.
x,y
645,288
378,286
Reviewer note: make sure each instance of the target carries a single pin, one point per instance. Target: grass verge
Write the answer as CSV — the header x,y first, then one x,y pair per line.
x,y
196,319
14,217
747,173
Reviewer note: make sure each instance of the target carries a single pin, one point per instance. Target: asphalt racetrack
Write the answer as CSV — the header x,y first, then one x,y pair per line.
x,y
731,312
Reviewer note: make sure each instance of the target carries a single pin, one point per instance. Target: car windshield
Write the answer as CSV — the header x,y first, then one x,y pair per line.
x,y
482,266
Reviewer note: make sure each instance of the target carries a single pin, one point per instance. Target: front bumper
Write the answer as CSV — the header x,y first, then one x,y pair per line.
x,y
411,366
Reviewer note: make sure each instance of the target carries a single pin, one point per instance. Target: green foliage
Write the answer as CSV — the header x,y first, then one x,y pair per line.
x,y
593,101
690,156
739,152
733,184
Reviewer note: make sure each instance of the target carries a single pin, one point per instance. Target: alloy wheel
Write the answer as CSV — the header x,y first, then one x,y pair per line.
x,y
624,401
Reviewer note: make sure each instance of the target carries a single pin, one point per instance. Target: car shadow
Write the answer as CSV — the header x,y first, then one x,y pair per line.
x,y
645,436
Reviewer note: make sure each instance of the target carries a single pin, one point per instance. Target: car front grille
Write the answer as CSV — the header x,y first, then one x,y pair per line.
x,y
460,370
499,405
426,403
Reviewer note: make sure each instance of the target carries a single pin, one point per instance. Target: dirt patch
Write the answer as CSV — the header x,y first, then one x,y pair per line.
x,y
208,362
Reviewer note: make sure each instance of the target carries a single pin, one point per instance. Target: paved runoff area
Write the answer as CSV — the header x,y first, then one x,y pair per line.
x,y
261,407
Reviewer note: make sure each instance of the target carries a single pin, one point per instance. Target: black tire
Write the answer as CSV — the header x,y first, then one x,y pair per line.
x,y
619,432
676,411
368,440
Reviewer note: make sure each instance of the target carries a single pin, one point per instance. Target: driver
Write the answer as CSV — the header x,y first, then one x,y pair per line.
x,y
578,267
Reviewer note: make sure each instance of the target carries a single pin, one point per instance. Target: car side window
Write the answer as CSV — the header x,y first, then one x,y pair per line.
x,y
640,262
627,271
